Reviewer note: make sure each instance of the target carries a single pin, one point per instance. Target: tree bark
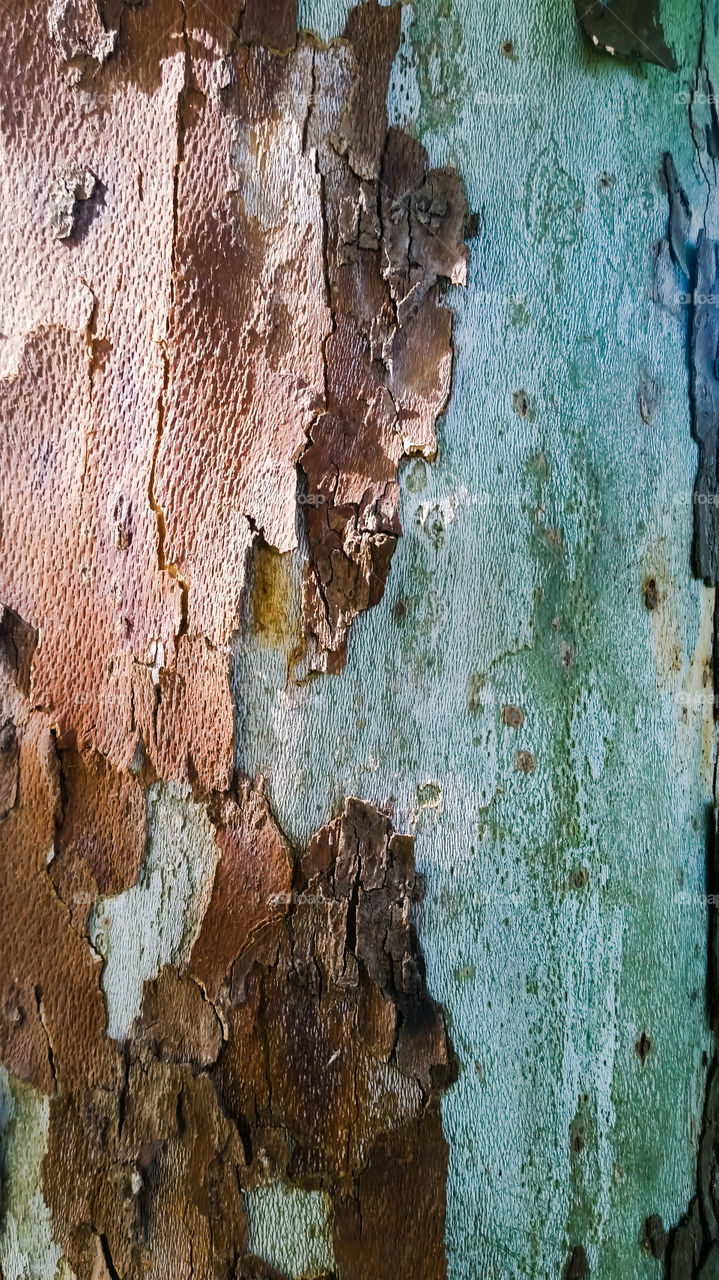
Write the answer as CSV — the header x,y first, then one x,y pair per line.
x,y
357,638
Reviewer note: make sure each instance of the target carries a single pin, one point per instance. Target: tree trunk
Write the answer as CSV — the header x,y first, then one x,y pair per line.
x,y
359,410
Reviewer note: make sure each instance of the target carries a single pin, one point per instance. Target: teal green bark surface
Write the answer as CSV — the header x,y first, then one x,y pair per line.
x,y
565,919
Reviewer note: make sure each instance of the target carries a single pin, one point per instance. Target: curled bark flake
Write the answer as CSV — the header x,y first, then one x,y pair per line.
x,y
629,28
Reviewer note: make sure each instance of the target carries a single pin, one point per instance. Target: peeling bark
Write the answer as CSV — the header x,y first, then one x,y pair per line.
x,y
316,1056
687,272
692,1248
240,271
300,1043
257,286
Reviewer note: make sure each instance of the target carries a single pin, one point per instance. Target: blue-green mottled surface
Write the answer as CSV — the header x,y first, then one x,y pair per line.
x,y
290,1228
565,910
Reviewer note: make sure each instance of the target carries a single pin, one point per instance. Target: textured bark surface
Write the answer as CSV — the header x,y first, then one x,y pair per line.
x,y
219,307
299,1043
545,566
246,282
316,1057
533,690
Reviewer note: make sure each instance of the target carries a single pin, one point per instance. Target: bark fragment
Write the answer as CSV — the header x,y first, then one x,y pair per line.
x,y
52,1013
79,35
630,28
64,198
394,228
696,282
251,888
692,1247
689,268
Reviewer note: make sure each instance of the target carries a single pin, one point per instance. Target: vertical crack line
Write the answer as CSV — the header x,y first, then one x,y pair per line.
x,y
90,338
328,282
701,70
325,255
43,1024
310,105
107,1258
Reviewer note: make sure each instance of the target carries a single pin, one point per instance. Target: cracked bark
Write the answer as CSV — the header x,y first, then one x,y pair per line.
x,y
241,277
687,273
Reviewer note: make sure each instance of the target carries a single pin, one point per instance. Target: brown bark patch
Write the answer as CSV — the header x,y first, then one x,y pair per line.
x,y
319,1060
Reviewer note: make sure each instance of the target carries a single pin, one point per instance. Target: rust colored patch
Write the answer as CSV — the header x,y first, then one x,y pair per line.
x,y
104,820
251,888
525,762
512,716
404,1181
52,1013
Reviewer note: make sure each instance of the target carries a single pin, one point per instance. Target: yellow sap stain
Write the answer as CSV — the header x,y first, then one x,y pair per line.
x,y
275,604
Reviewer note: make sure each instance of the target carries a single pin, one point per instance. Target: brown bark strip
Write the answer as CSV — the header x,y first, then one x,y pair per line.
x,y
52,1012
220,270
393,229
